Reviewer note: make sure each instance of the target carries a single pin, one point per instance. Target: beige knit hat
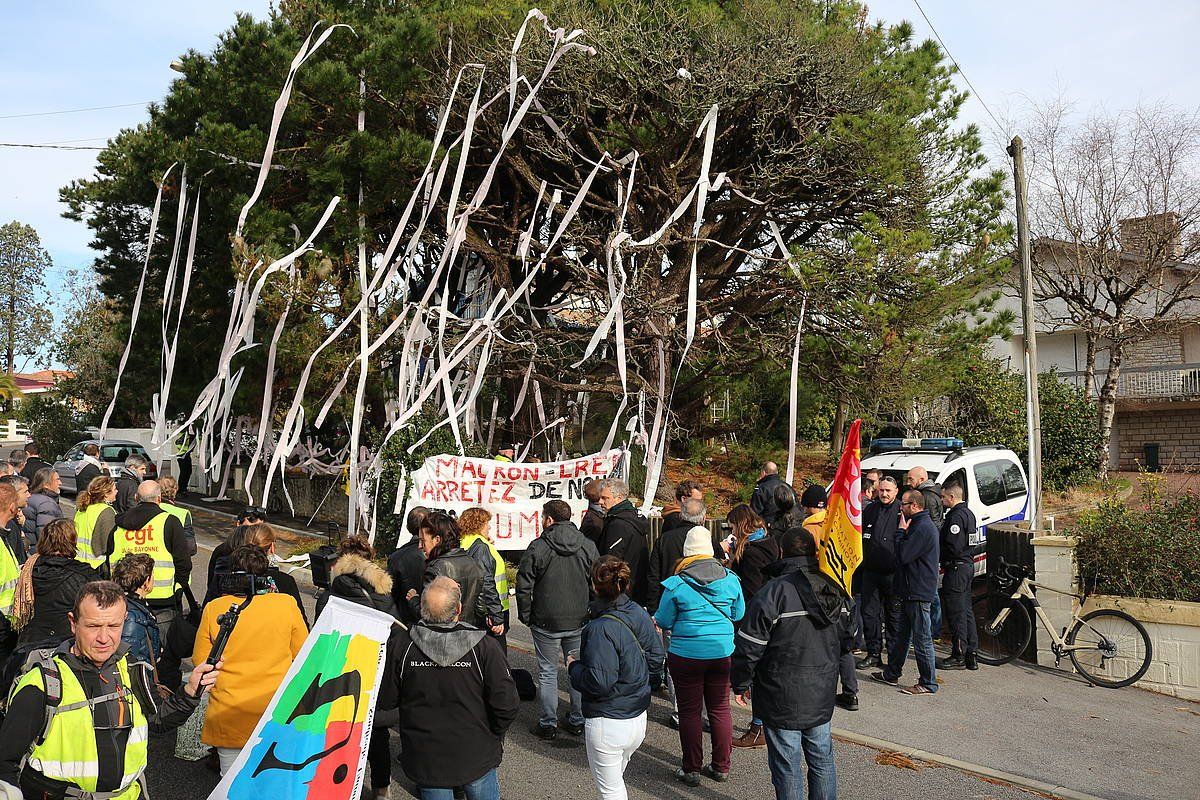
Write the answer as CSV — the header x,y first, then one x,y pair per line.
x,y
698,542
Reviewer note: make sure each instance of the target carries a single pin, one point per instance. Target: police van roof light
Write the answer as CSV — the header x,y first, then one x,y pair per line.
x,y
885,445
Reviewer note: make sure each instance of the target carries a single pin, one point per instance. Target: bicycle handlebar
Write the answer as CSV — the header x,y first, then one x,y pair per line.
x,y
1013,572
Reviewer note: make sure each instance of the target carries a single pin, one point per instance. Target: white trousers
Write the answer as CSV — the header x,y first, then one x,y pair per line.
x,y
610,744
226,756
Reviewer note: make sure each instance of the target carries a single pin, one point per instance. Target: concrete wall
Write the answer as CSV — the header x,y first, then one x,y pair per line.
x,y
1174,626
1175,430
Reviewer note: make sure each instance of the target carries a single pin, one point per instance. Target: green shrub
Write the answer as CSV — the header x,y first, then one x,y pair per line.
x,y
51,424
1152,550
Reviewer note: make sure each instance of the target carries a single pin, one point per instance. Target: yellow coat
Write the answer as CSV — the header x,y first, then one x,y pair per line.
x,y
268,636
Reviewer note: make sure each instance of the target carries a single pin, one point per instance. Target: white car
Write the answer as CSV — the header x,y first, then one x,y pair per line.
x,y
113,453
993,480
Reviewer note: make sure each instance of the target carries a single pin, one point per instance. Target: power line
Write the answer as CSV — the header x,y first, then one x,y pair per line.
x,y
48,146
73,110
954,61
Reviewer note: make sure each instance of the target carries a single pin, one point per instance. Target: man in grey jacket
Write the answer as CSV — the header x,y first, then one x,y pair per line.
x,y
552,599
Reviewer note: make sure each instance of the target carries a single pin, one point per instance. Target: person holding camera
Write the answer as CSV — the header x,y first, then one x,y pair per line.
x,y
269,635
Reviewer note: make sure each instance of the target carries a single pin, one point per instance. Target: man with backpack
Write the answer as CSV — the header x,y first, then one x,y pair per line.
x,y
552,599
79,716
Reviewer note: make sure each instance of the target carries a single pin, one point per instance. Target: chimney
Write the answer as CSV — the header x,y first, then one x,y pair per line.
x,y
1158,236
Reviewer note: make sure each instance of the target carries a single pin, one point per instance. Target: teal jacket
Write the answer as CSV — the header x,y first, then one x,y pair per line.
x,y
699,606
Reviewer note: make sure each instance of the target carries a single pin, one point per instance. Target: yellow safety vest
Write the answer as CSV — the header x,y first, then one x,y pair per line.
x,y
501,567
10,570
150,539
67,749
182,514
85,526
183,444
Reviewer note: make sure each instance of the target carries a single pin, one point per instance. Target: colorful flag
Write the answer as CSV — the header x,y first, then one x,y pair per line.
x,y
841,549
311,743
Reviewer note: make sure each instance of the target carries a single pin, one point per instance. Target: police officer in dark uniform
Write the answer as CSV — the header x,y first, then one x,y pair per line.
x,y
880,607
958,571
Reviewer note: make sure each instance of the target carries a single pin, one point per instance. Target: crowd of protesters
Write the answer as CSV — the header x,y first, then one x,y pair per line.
x,y
705,613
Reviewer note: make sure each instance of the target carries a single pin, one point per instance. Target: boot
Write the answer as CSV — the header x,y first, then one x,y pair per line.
x,y
752,738
970,661
869,662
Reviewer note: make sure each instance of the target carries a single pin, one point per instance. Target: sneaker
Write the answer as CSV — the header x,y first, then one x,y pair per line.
x,y
710,772
916,689
687,778
953,662
575,729
847,700
546,732
752,738
869,662
970,662
882,678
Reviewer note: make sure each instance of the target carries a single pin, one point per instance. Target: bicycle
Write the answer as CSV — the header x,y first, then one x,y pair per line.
x,y
1108,647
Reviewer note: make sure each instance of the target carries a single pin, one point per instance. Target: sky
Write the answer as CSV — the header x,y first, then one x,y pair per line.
x,y
61,55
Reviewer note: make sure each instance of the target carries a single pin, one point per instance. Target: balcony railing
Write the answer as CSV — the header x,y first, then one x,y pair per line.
x,y
1166,382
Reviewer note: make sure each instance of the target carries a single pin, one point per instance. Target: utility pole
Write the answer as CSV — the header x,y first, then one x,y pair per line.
x,y
1016,149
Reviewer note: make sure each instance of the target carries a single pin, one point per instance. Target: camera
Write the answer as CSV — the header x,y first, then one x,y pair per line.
x,y
243,584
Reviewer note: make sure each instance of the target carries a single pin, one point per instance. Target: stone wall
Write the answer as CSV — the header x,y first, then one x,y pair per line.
x,y
1174,626
320,495
1161,350
1176,431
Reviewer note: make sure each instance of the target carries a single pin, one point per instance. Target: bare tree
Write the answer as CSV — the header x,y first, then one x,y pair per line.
x,y
1115,207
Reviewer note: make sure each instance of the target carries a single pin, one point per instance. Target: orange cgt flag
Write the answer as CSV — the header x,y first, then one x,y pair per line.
x,y
841,548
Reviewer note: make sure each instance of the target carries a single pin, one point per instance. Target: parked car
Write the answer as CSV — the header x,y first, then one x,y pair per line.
x,y
993,480
113,453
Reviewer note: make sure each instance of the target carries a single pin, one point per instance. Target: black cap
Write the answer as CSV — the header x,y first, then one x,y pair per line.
x,y
814,497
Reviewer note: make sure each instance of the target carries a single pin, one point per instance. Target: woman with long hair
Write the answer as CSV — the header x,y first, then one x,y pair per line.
x,y
43,507
475,538
754,550
95,521
620,661
48,584
441,543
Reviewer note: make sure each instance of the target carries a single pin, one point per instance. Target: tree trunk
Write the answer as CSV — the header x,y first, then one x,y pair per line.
x,y
1107,404
1089,367
837,436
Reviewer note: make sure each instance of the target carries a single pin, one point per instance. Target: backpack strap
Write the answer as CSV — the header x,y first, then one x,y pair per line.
x,y
52,682
705,598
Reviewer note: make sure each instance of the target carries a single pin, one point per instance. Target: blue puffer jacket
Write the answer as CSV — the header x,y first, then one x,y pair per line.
x,y
140,631
620,659
699,606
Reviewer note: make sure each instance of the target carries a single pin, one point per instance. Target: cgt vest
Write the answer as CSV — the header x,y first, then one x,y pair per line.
x,y
150,539
85,526
501,568
66,750
9,572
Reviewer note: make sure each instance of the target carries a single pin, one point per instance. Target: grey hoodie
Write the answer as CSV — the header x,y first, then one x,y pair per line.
x,y
445,644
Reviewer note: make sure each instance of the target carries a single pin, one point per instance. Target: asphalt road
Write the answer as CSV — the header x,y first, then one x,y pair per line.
x,y
535,769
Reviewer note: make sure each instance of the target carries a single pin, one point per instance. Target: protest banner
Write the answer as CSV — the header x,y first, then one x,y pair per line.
x,y
513,493
841,551
311,742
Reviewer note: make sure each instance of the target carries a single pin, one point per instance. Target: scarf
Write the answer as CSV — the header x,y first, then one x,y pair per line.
x,y
22,610
758,534
684,563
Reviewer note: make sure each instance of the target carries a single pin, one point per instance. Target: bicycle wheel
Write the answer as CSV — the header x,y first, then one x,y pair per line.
x,y
1001,642
1114,649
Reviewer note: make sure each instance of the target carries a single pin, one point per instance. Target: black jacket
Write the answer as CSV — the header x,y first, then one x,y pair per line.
x,y
880,524
624,536
173,537
917,560
592,525
56,582
788,645
932,492
553,579
620,661
26,719
456,699
757,556
955,541
127,485
458,566
406,565
32,465
358,580
86,474
762,501
666,554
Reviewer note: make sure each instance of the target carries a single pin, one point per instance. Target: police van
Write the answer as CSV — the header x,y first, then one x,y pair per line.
x,y
993,481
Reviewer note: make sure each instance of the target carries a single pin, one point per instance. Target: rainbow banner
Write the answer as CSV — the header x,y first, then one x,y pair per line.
x,y
311,743
841,550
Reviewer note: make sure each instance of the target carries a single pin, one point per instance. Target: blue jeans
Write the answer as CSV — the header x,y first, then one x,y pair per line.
x,y
786,749
935,617
485,788
552,649
914,628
